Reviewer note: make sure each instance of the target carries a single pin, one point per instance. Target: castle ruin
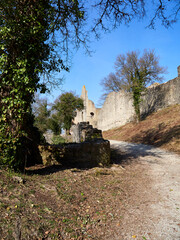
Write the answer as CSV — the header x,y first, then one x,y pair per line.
x,y
118,109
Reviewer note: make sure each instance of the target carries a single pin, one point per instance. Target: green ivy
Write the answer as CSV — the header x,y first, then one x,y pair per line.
x,y
23,32
28,50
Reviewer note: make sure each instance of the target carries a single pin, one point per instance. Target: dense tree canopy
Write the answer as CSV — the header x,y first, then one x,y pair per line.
x,y
66,106
133,74
34,39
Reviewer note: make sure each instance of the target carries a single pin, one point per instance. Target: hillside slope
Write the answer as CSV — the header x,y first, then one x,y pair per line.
x,y
161,129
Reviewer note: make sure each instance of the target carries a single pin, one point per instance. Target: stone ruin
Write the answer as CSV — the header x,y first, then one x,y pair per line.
x,y
83,131
84,155
88,149
118,108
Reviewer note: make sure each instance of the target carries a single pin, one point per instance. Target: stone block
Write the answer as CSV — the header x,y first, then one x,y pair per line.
x,y
86,154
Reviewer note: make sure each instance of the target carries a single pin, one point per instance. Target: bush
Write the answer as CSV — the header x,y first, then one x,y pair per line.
x,y
57,139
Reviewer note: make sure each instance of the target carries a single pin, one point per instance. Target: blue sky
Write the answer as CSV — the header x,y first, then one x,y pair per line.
x,y
90,70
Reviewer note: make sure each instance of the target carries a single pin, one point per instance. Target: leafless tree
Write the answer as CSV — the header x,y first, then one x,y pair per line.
x,y
115,12
133,74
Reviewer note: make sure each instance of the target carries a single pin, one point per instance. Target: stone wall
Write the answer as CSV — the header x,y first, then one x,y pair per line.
x,y
161,96
118,107
86,154
116,111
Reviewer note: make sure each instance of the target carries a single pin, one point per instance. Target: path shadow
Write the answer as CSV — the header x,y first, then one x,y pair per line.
x,y
125,153
44,170
118,157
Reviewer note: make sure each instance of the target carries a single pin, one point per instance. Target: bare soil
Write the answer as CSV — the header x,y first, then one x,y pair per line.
x,y
160,129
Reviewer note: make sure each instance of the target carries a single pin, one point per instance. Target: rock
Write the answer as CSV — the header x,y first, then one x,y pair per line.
x,y
85,132
18,179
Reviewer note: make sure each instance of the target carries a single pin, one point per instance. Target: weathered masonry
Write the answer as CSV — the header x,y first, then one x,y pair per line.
x,y
118,106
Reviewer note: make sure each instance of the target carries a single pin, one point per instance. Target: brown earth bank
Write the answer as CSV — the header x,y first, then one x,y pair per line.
x,y
160,129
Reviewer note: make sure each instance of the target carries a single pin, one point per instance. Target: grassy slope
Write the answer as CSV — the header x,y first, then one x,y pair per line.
x,y
161,129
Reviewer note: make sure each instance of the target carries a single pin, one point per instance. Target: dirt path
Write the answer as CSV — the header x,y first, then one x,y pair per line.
x,y
157,216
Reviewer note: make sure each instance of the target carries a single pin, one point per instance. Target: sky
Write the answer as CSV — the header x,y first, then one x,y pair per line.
x,y
90,70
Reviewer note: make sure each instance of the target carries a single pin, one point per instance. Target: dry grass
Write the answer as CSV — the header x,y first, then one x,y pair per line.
x,y
161,129
67,204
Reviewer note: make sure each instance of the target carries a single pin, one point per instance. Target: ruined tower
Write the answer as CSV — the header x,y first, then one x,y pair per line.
x,y
178,69
89,113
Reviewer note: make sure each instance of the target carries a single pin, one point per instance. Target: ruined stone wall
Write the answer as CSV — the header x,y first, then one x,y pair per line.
x,y
83,131
85,154
117,110
161,96
118,107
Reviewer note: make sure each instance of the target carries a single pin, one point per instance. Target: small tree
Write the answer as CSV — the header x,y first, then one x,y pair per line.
x,y
55,123
44,118
65,106
134,74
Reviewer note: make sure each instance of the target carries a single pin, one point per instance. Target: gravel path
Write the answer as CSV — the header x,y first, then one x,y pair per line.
x,y
158,216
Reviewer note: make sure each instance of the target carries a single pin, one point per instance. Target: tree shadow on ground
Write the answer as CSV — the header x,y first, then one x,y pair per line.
x,y
44,170
127,153
48,170
158,136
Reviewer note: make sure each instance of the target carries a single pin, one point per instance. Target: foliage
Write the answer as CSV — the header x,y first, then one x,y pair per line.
x,y
20,64
57,139
134,74
44,117
27,49
55,124
65,106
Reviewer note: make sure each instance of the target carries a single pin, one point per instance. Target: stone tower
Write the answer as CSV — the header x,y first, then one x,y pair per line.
x,y
84,96
89,113
178,69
